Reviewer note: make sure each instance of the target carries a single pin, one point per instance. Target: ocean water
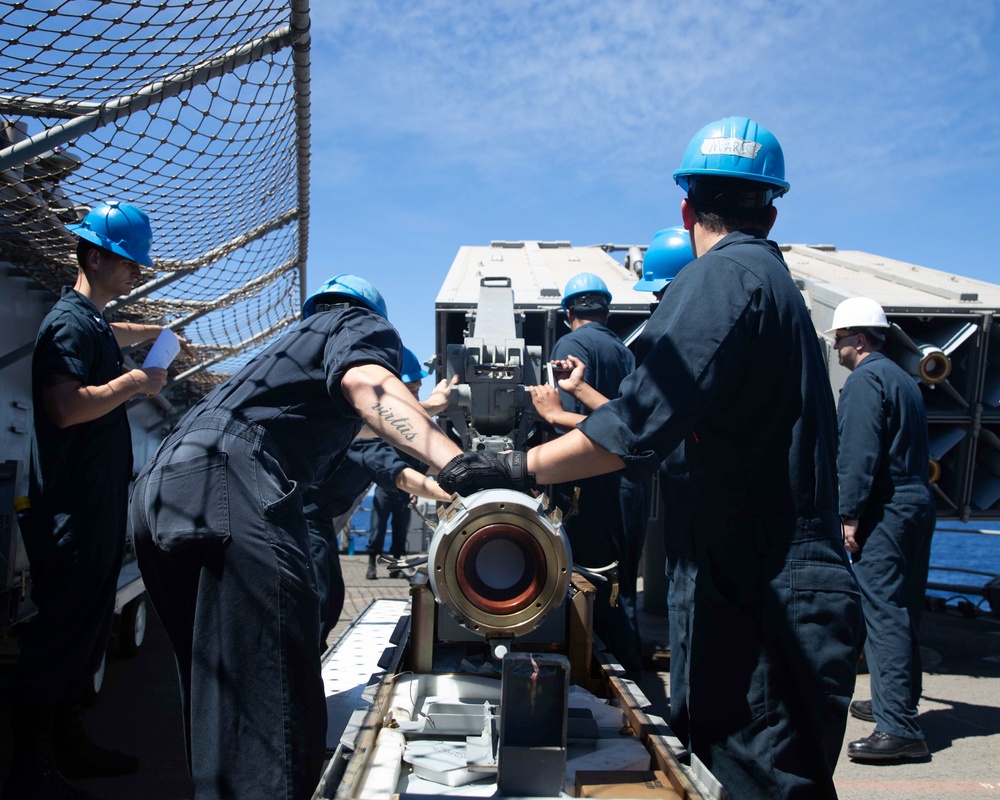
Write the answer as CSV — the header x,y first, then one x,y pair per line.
x,y
360,522
362,518
964,550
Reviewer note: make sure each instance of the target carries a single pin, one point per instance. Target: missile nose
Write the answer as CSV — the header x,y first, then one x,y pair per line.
x,y
499,562
501,569
935,366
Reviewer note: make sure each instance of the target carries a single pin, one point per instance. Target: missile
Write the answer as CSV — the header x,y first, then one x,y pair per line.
x,y
941,440
499,563
929,358
986,478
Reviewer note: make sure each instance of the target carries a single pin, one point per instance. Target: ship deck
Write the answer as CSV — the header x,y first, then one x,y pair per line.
x,y
960,712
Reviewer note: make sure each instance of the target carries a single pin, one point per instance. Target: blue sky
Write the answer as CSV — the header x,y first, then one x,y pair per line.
x,y
440,124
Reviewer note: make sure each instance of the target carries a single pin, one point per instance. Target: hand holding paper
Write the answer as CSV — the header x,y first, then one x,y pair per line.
x,y
164,350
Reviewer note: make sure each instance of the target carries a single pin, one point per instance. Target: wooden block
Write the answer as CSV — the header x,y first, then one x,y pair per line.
x,y
624,783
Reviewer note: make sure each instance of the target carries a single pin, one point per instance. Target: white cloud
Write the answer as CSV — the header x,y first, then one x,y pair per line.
x,y
440,123
497,87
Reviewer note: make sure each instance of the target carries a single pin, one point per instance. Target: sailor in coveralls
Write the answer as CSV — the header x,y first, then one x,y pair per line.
x,y
736,371
223,544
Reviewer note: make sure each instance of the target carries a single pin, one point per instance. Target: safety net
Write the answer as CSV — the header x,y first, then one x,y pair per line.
x,y
197,111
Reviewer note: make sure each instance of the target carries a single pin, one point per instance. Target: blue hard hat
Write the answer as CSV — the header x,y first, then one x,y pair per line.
x,y
119,227
347,288
412,368
586,283
668,253
734,147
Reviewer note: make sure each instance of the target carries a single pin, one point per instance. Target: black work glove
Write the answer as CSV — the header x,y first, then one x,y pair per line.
x,y
471,472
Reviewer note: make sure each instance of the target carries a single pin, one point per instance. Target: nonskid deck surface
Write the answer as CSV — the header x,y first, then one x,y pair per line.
x,y
960,711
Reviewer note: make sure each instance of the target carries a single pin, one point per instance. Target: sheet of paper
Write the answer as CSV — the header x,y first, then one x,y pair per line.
x,y
164,350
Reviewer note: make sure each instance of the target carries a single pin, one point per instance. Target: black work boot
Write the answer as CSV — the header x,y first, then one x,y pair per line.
x,y
882,746
862,709
33,774
371,575
77,756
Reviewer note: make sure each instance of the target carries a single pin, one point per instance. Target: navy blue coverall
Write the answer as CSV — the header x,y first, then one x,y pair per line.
x,y
366,461
223,546
678,544
79,494
613,509
883,466
390,502
736,371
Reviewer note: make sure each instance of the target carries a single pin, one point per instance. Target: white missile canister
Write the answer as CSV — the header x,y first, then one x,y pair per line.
x,y
499,563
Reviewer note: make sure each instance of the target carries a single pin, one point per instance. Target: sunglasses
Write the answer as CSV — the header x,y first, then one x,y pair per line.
x,y
840,337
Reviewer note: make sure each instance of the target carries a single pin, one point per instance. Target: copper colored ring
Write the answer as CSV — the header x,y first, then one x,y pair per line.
x,y
501,601
935,367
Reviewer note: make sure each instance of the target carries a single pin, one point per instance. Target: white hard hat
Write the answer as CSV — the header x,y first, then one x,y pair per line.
x,y
858,312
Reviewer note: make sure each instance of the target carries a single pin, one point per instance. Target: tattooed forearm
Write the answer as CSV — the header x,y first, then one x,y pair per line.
x,y
401,424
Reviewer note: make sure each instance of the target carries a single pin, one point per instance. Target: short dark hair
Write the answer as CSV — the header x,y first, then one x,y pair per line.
x,y
593,306
875,336
722,205
83,247
590,313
